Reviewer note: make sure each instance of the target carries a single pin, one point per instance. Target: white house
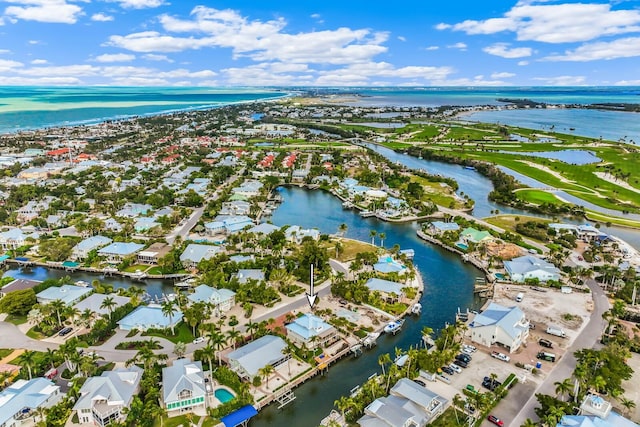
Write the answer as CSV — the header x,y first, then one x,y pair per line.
x,y
531,267
505,326
68,294
12,239
82,249
149,317
311,331
20,401
102,399
194,253
183,387
249,359
221,299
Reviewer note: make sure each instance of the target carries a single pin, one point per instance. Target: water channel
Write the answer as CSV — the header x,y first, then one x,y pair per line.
x,y
448,285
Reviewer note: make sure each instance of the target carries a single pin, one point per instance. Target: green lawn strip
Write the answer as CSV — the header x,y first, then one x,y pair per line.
x,y
180,420
16,320
509,222
4,352
597,216
35,335
538,197
425,133
135,267
182,333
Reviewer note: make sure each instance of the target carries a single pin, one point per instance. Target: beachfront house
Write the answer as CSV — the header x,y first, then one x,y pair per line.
x,y
586,232
388,289
94,303
68,294
149,317
386,264
194,253
249,359
117,251
310,331
183,386
19,402
153,254
505,326
471,235
408,405
82,249
221,300
103,399
439,227
531,267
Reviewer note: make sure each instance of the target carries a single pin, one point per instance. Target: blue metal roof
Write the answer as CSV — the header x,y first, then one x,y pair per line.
x,y
238,417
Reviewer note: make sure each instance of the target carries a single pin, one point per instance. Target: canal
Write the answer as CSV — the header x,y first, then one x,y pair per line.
x,y
448,285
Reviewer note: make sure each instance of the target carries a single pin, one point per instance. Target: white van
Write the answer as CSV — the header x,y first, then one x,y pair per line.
x,y
519,297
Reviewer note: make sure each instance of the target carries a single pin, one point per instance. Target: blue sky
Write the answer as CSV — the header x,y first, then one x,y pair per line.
x,y
324,43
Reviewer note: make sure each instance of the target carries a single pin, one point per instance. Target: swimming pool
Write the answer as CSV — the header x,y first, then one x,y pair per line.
x,y
462,246
223,395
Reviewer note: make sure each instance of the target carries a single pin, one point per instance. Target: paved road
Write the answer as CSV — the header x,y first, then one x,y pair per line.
x,y
12,337
564,369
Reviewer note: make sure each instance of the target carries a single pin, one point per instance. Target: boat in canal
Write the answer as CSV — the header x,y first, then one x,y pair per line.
x,y
416,309
393,327
370,340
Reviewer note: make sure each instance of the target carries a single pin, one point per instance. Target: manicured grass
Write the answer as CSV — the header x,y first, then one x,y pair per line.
x,y
438,193
538,197
350,248
180,420
135,267
448,419
397,145
4,352
425,133
155,270
35,335
596,216
182,333
16,320
508,222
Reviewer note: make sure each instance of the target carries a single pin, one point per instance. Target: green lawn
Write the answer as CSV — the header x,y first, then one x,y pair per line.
x,y
448,419
35,335
350,248
4,352
155,270
508,222
16,320
135,267
180,420
182,333
538,197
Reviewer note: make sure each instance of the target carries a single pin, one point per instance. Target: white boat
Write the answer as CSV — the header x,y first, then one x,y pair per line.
x,y
139,275
370,340
393,327
416,309
82,284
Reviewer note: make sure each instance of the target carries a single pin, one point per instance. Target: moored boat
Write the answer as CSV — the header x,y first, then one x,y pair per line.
x,y
393,327
416,309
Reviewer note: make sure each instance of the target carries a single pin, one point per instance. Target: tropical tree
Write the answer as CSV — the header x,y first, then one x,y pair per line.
x,y
180,349
563,388
343,404
457,403
343,228
109,304
233,336
373,234
265,372
628,404
529,423
28,360
57,306
383,359
168,308
382,236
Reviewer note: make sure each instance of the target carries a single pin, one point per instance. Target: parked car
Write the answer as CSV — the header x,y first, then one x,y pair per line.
x,y
464,357
495,420
500,356
491,384
470,348
469,408
448,370
455,367
461,363
198,340
420,382
545,343
65,331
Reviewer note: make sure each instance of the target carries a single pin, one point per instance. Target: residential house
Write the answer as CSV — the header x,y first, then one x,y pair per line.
x,y
311,332
586,232
20,401
250,358
264,228
145,224
94,303
153,254
228,224
471,235
388,289
245,274
33,209
149,317
295,233
12,239
82,249
439,227
386,264
237,207
117,251
531,267
68,294
595,412
18,285
103,400
194,253
183,386
221,299
505,326
134,210
249,188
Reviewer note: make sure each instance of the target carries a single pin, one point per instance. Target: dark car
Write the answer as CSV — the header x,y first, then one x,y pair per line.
x,y
419,382
497,421
464,357
448,370
545,343
461,363
490,384
65,331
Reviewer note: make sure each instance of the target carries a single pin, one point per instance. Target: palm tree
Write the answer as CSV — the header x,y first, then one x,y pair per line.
x,y
383,359
529,423
287,351
457,402
109,304
233,336
373,234
343,228
218,340
265,372
628,405
51,357
563,387
180,349
86,317
382,236
57,306
168,309
209,353
28,360
343,404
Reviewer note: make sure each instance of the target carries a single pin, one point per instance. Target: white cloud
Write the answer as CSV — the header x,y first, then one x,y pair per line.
x,y
523,63
140,81
316,16
258,40
139,4
39,62
8,65
555,23
61,71
28,81
502,75
402,38
50,11
2,51
115,57
562,80
503,50
101,17
627,83
33,42
154,57
432,48
621,48
459,45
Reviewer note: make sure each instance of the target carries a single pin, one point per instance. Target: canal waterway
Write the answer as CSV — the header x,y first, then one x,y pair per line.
x,y
448,285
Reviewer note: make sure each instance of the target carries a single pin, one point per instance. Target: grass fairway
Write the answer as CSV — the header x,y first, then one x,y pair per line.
x,y
538,197
596,216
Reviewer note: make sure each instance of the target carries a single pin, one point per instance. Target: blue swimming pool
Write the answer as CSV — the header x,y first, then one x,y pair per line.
x,y
462,246
223,395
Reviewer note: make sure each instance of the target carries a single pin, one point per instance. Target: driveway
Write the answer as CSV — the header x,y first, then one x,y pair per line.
x,y
12,337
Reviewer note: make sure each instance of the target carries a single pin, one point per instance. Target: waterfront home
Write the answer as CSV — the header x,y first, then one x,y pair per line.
x,y
13,238
250,358
149,317
408,405
311,332
471,235
586,232
531,267
264,228
144,224
242,258
386,264
117,251
194,253
221,300
82,249
153,254
94,303
103,399
249,188
295,233
507,327
133,210
439,227
245,274
183,386
228,224
20,401
595,412
18,285
389,289
68,294
112,225
236,207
